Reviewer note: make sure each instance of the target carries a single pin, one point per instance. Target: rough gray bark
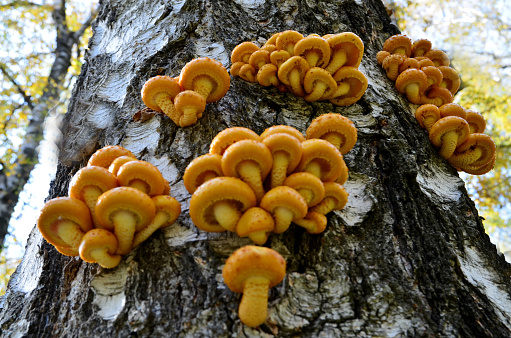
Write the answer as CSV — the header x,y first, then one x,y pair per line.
x,y
408,256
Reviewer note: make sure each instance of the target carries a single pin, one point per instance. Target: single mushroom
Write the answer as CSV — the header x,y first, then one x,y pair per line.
x,y
318,84
351,85
427,115
248,73
448,133
286,40
346,50
242,52
286,205
314,49
381,56
158,94
202,169
424,62
450,79
335,199
437,95
391,65
235,68
273,39
409,63
253,270
322,159
207,77
398,44
142,176
100,246
270,48
167,211
477,151
190,105
229,136
420,47
124,211
278,57
283,129
309,186
267,75
259,58
292,72
433,74
413,83
218,204
249,160
118,162
287,153
475,121
106,155
257,224
473,170
313,222
334,128
452,109
438,57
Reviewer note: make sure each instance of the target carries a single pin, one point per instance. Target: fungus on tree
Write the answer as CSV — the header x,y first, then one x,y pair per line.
x,y
100,246
257,224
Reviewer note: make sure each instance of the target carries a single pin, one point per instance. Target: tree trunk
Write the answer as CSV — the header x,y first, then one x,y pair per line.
x,y
408,256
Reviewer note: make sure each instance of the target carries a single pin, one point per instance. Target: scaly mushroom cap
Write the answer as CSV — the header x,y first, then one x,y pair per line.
x,y
287,153
480,170
89,183
142,176
448,133
313,222
218,204
475,121
433,74
346,50
190,105
207,77
252,270
322,159
248,73
257,224
452,109
334,128
283,129
118,162
477,151
424,62
273,39
413,83
309,186
242,52
278,57
450,79
409,63
167,211
391,65
286,40
292,72
398,44
269,47
335,199
229,136
202,169
99,246
437,95
351,86
249,160
235,68
124,210
158,94
438,57
63,221
381,55
318,84
427,115
314,49
286,205
267,75
105,156
420,47
259,58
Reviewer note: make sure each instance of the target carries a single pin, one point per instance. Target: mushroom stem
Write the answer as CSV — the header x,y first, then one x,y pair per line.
x,y
159,219
140,185
251,174
339,58
203,86
259,237
466,158
226,215
314,222
70,233
449,142
312,58
317,92
124,230
307,194
283,218
165,103
254,303
343,88
334,138
428,122
325,206
314,168
296,82
279,169
104,259
189,117
413,93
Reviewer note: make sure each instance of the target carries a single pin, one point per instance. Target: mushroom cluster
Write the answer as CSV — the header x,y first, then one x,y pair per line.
x,y
258,184
312,67
420,72
184,98
115,203
459,135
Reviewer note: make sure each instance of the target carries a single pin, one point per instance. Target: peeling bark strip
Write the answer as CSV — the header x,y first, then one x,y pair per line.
x,y
408,256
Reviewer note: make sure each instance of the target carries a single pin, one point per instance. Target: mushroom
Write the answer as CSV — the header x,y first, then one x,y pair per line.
x,y
381,56
427,115
477,151
242,52
252,270
286,205
313,222
63,221
124,211
286,40
292,72
450,79
142,176
167,211
218,204
257,224
259,58
88,184
283,129
346,50
424,62
318,84
229,136
190,105
452,109
391,65
433,74
235,68
287,153
413,83
158,94
309,186
475,121
99,246
479,170
273,39
448,133
118,162
314,49
322,159
207,77
105,156
249,160
409,63
248,73
438,57
335,199
398,44
334,128
278,57
437,95
270,48
420,47
351,85
267,75
202,169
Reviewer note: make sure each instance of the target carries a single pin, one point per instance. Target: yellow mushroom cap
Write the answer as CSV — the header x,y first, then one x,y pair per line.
x,y
438,57
413,83
242,52
269,47
452,109
325,155
286,40
158,85
313,222
284,197
318,77
201,169
95,176
118,162
278,57
475,140
351,44
255,220
391,65
190,105
143,176
450,79
333,125
105,156
221,189
475,121
287,144
398,44
409,63
381,55
206,68
480,170
309,186
446,124
283,129
99,246
420,47
314,49
273,39
236,67
248,73
427,115
424,62
292,72
437,95
229,136
357,86
433,74
259,58
267,75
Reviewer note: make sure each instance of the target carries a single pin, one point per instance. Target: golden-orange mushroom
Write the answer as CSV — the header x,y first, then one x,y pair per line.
x,y
322,159
314,49
105,156
334,128
100,246
206,76
190,105
427,115
448,133
202,169
351,86
287,153
158,93
229,136
335,198
398,44
292,72
286,205
257,224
